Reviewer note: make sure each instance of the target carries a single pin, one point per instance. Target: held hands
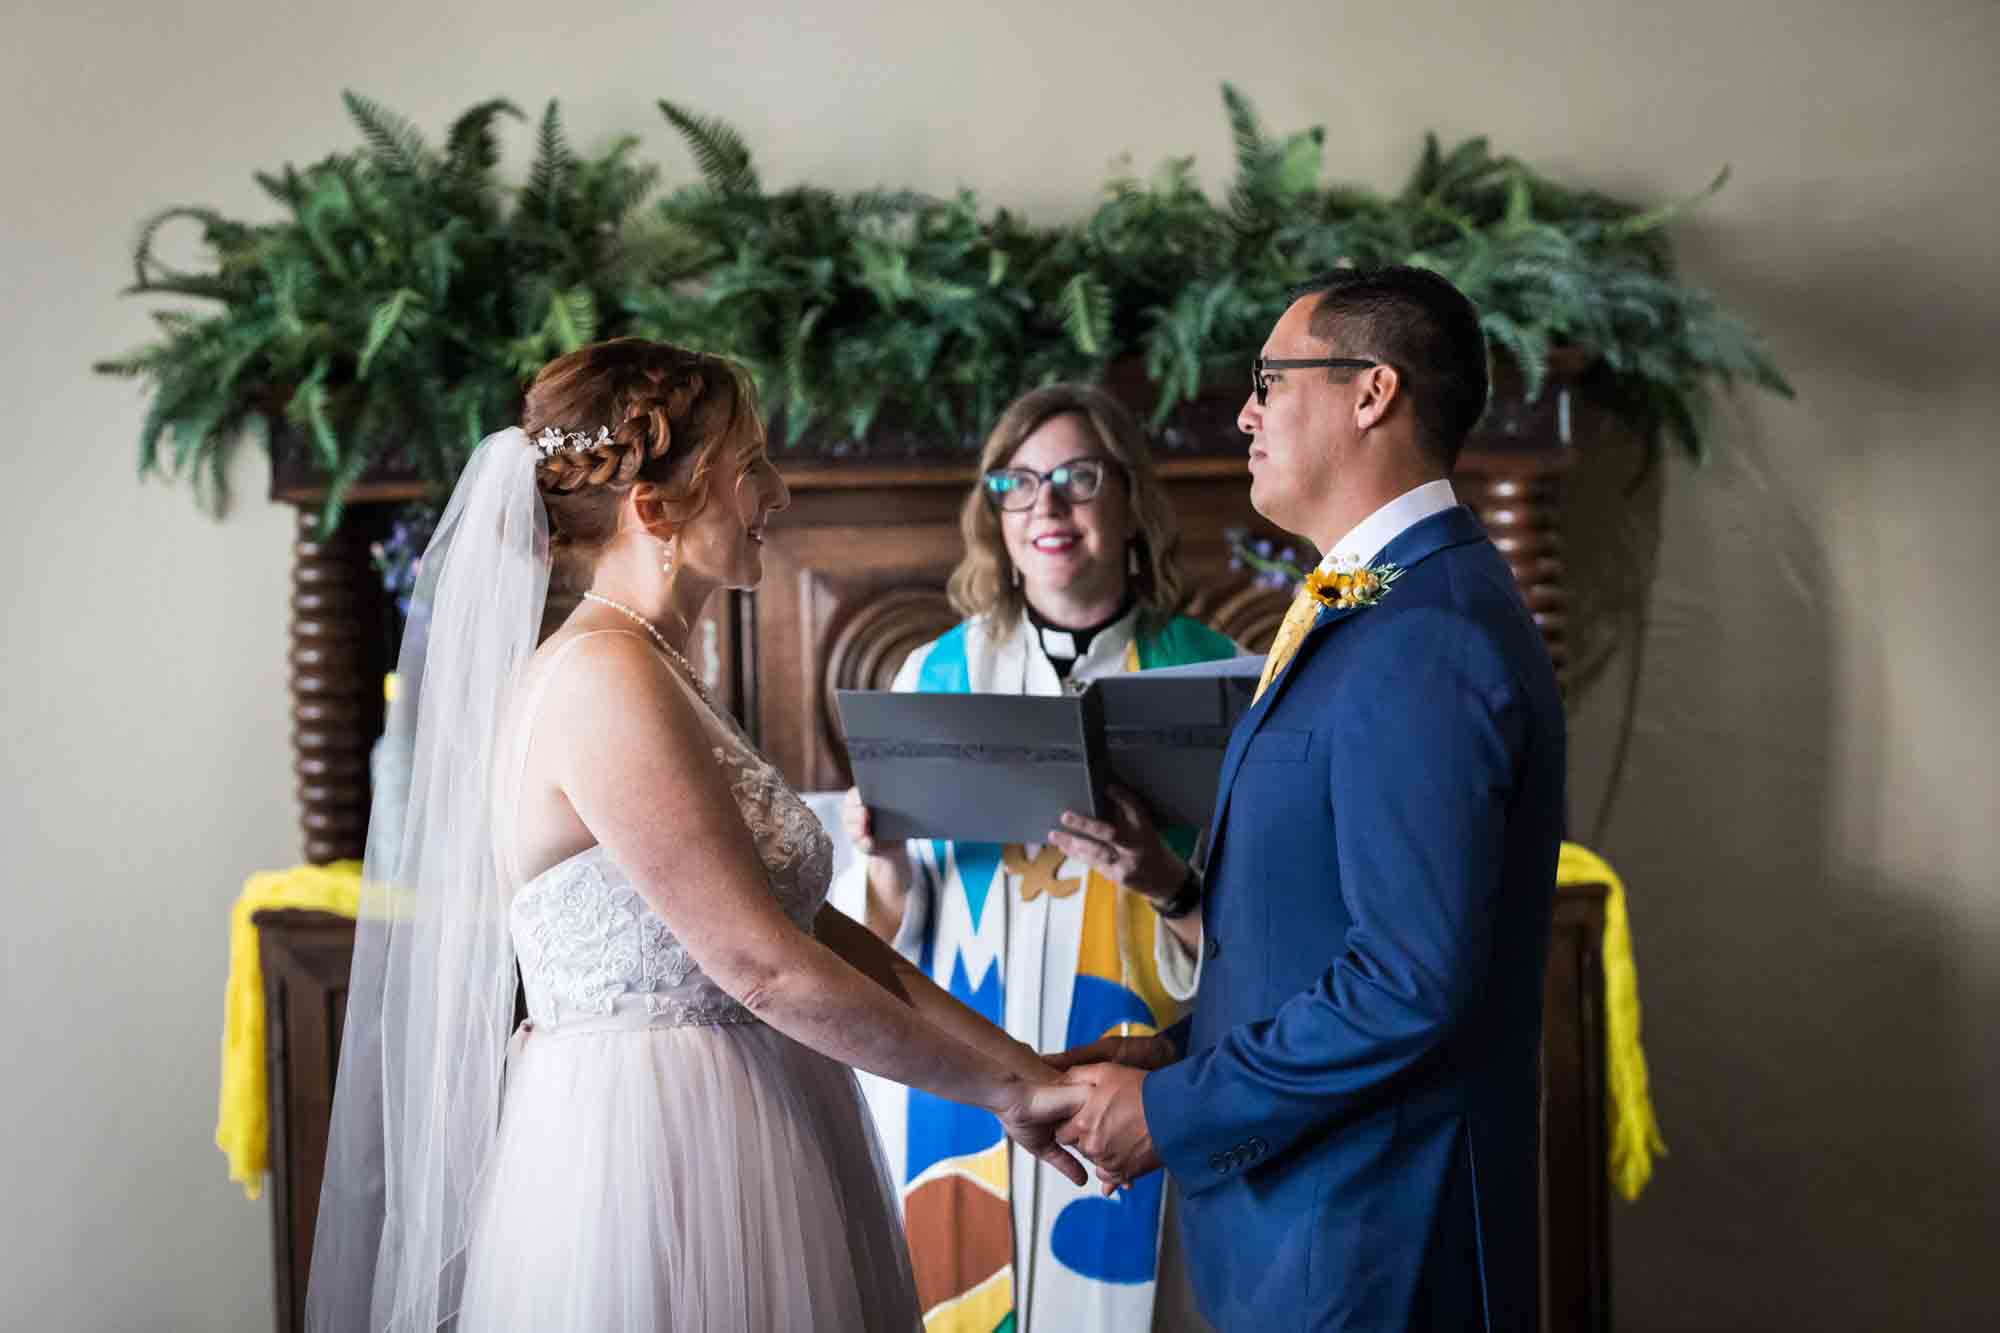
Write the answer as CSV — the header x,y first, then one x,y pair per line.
x,y
1126,849
1031,1117
1109,1127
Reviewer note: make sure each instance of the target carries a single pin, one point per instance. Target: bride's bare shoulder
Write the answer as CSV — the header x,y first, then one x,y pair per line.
x,y
594,679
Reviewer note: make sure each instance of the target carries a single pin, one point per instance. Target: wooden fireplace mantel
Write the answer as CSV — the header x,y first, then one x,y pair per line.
x,y
854,578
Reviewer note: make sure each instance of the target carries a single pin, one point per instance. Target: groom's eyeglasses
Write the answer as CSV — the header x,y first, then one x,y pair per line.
x,y
1077,482
1261,381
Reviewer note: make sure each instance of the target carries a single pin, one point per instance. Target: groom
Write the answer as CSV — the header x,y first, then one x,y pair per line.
x,y
1350,1112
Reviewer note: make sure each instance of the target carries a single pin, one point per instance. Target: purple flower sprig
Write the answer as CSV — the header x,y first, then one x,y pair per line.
x,y
399,557
1274,566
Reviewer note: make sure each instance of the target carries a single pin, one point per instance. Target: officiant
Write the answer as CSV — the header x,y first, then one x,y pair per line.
x,y
1071,571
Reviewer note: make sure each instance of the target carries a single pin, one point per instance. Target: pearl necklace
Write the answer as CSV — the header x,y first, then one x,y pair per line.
x,y
673,653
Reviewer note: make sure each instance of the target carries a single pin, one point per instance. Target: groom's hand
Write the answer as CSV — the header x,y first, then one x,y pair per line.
x,y
1151,1052
1110,1127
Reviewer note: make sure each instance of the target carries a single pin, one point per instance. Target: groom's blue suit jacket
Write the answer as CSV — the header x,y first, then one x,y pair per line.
x,y
1353,1126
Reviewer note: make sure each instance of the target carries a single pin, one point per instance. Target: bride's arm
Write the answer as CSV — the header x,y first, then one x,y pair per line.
x,y
637,764
863,950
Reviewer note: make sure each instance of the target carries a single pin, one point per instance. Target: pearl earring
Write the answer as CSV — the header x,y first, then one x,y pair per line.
x,y
666,556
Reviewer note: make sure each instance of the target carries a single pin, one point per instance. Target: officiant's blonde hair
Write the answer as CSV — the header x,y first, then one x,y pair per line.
x,y
983,585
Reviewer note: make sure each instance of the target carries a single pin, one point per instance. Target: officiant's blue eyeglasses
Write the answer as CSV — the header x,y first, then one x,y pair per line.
x,y
1077,482
1262,381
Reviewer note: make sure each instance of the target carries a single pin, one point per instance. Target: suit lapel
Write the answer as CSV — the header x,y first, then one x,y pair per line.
x,y
1418,542
1252,721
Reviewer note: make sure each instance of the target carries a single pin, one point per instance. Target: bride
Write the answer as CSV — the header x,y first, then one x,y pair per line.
x,y
681,1144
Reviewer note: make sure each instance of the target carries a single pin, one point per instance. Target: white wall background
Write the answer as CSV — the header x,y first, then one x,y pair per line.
x,y
1809,821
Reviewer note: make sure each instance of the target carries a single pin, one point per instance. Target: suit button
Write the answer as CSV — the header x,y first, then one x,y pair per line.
x,y
1214,947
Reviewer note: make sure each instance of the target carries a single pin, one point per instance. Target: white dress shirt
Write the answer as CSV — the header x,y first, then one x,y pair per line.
x,y
1368,538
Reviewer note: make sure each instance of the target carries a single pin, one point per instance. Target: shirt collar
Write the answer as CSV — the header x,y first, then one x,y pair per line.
x,y
1367,538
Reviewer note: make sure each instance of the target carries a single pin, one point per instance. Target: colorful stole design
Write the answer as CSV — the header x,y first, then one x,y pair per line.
x,y
956,1172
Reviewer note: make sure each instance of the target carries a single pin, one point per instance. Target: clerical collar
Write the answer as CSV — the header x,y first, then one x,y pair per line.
x,y
1063,646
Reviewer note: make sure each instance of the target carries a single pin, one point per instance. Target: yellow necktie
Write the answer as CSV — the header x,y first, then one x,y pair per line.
x,y
1299,618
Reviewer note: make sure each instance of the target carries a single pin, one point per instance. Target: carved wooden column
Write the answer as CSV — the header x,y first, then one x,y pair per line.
x,y
1517,495
340,645
1511,474
337,661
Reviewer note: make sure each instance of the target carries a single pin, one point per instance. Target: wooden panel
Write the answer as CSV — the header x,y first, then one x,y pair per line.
x,y
305,960
817,583
854,575
1575,1190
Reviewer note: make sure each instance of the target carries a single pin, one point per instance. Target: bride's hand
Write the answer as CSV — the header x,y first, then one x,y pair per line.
x,y
1033,1113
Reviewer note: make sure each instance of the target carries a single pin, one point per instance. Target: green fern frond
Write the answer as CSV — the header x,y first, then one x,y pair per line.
x,y
719,151
1528,347
148,274
308,408
471,146
571,320
168,403
1655,218
1298,165
1252,148
1086,314
340,481
1430,166
381,325
286,189
550,174
397,145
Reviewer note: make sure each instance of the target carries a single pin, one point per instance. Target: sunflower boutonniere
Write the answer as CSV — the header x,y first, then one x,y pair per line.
x,y
1361,585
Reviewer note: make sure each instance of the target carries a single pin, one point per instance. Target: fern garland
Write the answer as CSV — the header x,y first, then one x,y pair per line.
x,y
406,292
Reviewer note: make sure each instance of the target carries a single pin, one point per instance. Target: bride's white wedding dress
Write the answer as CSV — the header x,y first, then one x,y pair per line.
x,y
665,1161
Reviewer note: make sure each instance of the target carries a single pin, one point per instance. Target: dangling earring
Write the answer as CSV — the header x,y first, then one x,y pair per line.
x,y
666,556
1016,574
1132,558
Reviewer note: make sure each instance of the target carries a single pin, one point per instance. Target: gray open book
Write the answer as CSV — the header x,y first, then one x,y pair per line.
x,y
1003,767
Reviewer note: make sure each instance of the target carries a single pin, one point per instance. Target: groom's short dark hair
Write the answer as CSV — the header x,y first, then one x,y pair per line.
x,y
1424,327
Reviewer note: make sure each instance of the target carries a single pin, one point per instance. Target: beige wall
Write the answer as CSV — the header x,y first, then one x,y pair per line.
x,y
1808,818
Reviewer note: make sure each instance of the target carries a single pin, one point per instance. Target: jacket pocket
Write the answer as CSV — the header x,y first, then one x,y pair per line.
x,y
1278,747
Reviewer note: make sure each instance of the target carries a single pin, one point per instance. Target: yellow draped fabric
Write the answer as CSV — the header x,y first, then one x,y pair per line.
x,y
242,1126
1635,1130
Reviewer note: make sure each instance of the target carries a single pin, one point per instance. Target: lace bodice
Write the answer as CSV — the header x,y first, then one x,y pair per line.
x,y
589,945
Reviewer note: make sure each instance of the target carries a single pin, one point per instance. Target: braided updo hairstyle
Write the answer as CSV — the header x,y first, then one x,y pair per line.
x,y
674,418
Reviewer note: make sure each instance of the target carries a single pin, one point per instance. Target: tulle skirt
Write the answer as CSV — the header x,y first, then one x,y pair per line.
x,y
720,1179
